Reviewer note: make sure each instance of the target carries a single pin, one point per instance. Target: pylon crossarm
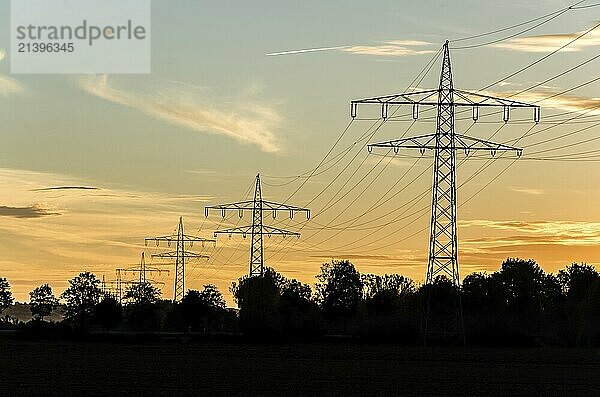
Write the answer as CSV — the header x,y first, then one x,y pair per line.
x,y
269,230
240,206
415,142
414,98
194,239
174,254
264,206
266,230
461,142
173,239
272,206
472,98
244,230
148,269
469,143
400,99
422,98
465,98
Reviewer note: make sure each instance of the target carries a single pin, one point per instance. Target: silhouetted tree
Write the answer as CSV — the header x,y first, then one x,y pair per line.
x,y
440,302
525,285
199,308
142,310
478,291
581,287
391,309
6,298
386,293
258,299
339,289
42,302
81,297
484,308
108,313
142,293
212,298
519,301
299,313
295,293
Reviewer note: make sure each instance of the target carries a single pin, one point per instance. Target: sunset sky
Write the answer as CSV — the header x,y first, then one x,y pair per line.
x,y
90,165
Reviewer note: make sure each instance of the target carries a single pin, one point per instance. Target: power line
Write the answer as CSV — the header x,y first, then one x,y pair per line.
x,y
524,68
572,7
513,35
563,73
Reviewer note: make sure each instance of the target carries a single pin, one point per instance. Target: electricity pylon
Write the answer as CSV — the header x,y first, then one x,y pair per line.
x,y
445,142
108,289
119,282
180,255
257,230
143,269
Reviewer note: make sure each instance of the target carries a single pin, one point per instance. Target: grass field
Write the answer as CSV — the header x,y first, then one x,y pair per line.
x,y
199,369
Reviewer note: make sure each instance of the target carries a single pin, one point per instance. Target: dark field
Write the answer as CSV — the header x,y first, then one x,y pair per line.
x,y
105,369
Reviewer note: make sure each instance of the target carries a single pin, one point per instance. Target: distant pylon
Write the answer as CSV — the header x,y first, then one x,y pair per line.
x,y
180,255
257,230
119,282
445,142
142,270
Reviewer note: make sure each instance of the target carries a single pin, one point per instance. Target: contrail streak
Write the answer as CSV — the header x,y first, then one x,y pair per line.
x,y
306,50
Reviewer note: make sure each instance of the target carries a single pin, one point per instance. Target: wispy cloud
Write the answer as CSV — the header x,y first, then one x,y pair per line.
x,y
392,48
550,232
201,172
570,103
551,42
97,230
44,189
32,211
247,123
508,83
525,190
551,243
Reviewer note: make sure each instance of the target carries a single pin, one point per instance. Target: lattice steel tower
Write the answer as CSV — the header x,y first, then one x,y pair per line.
x,y
445,142
180,255
257,230
143,270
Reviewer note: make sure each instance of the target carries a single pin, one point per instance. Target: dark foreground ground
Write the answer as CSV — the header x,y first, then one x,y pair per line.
x,y
200,369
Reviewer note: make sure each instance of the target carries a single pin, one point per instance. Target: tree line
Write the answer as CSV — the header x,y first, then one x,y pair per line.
x,y
518,304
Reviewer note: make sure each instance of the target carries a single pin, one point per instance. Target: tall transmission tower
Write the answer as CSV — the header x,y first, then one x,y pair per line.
x,y
180,255
257,230
445,142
